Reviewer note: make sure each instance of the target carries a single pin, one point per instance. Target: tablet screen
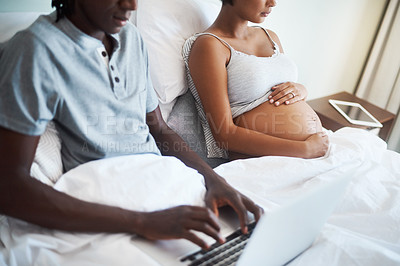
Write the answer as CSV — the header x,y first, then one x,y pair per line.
x,y
355,113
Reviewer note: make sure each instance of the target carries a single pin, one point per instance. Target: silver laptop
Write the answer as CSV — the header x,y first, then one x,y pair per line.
x,y
278,237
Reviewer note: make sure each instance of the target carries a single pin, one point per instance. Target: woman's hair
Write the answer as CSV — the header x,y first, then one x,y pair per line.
x,y
227,2
63,7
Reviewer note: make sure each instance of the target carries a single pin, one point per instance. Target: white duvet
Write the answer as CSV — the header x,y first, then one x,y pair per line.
x,y
363,230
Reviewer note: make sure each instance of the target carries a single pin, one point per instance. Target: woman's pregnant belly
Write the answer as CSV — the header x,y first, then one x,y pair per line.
x,y
295,121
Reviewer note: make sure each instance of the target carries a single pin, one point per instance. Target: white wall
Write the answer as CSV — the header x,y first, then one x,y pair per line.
x,y
329,40
25,6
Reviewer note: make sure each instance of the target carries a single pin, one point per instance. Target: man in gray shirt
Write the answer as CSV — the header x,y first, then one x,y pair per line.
x,y
85,68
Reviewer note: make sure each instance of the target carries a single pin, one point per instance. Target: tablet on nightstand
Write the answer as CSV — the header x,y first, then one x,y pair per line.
x,y
355,113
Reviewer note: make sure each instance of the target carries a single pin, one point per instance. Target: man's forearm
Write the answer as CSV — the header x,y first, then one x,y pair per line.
x,y
28,199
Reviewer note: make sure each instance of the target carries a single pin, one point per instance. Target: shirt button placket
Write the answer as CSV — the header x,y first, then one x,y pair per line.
x,y
119,90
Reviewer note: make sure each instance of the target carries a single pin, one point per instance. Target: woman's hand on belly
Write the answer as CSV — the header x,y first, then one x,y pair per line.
x,y
287,93
317,145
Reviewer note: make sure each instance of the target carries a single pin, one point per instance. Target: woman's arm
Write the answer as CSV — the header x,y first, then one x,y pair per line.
x,y
26,198
207,63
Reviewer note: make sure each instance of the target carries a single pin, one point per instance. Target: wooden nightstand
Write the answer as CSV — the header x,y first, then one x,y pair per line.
x,y
333,120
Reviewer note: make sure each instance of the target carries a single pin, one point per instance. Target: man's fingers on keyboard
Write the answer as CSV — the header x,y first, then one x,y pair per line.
x,y
254,209
206,215
208,230
196,240
241,210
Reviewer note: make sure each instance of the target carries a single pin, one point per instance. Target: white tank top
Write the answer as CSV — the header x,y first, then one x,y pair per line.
x,y
250,79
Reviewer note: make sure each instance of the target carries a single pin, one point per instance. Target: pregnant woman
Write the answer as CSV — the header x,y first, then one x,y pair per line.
x,y
245,88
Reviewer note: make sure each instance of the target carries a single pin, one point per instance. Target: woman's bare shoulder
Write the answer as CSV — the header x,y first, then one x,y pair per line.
x,y
208,40
273,35
275,38
209,45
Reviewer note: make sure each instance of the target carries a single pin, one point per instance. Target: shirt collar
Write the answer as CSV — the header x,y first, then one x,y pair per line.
x,y
79,37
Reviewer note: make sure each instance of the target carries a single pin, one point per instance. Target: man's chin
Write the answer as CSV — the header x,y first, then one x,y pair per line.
x,y
114,30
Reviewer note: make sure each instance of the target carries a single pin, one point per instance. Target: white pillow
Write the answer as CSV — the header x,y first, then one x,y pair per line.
x,y
164,26
142,182
47,164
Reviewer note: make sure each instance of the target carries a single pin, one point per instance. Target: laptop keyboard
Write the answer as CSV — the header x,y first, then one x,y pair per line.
x,y
222,254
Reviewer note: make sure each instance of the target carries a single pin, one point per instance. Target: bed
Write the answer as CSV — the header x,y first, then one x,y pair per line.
x,y
364,229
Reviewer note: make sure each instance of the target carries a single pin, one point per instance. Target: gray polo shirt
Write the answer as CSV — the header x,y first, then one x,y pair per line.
x,y
53,71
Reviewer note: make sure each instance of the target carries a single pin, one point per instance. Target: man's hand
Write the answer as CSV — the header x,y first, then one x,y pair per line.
x,y
179,222
220,193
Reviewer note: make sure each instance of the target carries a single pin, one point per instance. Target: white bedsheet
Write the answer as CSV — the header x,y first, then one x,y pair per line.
x,y
363,230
